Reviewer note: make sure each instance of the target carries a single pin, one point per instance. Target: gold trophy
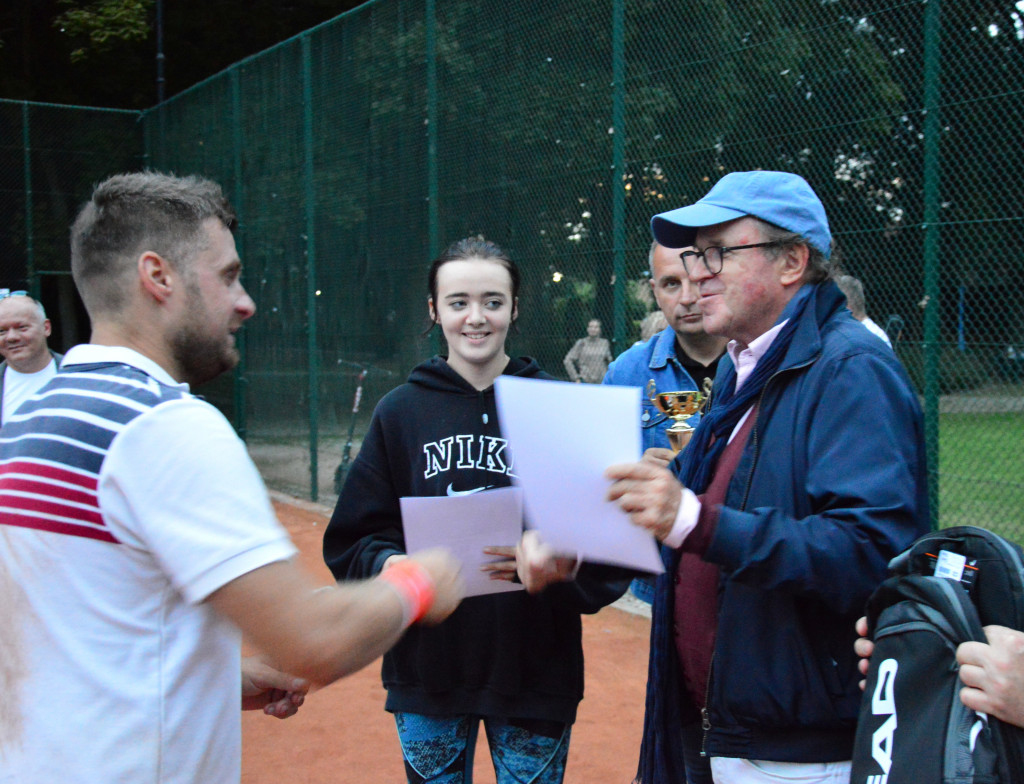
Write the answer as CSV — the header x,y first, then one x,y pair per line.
x,y
680,406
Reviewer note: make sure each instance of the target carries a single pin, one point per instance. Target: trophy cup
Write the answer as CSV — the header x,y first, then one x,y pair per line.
x,y
680,406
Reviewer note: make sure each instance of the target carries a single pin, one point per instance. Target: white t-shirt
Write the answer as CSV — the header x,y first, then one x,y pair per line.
x,y
19,387
115,669
874,329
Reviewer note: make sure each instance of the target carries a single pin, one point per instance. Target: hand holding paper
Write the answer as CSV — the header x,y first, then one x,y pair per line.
x,y
533,562
649,493
467,524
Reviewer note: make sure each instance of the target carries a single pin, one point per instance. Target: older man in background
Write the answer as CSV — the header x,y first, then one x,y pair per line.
x,y
28,362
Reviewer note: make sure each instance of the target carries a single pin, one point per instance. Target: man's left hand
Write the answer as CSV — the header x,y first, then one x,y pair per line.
x,y
274,692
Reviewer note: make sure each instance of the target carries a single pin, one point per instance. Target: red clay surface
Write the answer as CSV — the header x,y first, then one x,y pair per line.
x,y
342,734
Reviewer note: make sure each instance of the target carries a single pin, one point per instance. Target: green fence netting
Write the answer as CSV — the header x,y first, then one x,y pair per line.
x,y
49,157
358,149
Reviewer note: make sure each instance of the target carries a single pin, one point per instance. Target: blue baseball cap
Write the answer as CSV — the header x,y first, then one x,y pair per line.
x,y
781,198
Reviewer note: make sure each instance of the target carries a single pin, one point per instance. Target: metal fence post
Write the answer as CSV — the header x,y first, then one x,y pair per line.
x,y
433,214
238,137
932,197
311,325
618,173
433,193
30,247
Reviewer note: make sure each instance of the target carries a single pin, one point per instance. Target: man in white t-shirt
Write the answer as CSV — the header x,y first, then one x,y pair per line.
x,y
28,362
137,541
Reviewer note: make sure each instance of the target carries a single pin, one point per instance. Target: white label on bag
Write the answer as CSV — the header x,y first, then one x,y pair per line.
x,y
950,565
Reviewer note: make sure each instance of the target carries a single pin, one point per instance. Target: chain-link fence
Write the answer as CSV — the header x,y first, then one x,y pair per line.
x,y
49,157
357,150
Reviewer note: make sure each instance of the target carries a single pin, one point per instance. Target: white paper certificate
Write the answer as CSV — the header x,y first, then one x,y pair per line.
x,y
466,524
562,437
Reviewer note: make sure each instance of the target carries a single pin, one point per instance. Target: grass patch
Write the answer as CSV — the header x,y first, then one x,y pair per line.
x,y
981,472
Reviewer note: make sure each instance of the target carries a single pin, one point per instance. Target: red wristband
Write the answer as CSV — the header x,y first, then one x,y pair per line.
x,y
414,586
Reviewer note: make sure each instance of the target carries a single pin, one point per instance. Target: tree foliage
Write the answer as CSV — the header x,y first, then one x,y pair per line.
x,y
103,24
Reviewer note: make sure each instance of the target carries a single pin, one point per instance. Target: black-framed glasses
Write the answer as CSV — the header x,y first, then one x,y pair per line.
x,y
714,256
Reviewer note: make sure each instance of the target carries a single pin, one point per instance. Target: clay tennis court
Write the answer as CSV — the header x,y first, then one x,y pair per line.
x,y
342,734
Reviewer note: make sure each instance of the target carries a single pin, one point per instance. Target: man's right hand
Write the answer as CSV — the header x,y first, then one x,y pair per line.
x,y
648,493
449,587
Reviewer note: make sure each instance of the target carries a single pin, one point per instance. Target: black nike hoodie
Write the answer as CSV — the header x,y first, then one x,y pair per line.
x,y
509,654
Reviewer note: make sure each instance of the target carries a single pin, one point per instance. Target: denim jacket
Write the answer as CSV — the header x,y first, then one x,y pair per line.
x,y
637,365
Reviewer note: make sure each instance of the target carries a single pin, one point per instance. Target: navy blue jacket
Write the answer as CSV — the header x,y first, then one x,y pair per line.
x,y
831,485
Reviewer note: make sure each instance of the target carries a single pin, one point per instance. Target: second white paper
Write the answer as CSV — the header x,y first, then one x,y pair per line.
x,y
466,524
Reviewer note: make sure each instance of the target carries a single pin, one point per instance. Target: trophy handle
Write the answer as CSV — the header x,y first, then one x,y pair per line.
x,y
706,390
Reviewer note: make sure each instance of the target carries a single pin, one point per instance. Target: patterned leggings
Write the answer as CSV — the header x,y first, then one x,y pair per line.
x,y
439,749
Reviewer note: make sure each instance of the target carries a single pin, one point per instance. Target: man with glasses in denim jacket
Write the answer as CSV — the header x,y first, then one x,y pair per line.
x,y
28,362
805,476
680,357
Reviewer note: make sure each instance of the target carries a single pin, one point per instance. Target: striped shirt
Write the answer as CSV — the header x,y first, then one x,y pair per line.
x,y
52,451
125,501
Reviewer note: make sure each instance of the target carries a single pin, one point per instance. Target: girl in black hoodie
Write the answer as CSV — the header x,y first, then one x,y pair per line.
x,y
514,660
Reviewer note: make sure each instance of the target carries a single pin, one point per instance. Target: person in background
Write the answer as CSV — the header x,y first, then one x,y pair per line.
x,y
513,660
682,356
28,362
653,323
806,475
588,359
854,291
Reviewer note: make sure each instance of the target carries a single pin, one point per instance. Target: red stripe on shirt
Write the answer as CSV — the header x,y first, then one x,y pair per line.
x,y
52,472
25,484
57,527
51,505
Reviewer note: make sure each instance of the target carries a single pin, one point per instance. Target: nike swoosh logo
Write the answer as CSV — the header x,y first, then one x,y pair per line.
x,y
452,491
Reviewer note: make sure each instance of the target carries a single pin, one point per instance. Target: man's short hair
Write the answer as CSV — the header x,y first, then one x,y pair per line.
x,y
38,305
854,291
130,214
650,257
818,266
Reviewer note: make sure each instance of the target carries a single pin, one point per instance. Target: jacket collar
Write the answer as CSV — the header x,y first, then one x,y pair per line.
x,y
805,346
664,349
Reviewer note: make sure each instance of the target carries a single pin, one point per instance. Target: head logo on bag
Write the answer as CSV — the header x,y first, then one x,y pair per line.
x,y
883,703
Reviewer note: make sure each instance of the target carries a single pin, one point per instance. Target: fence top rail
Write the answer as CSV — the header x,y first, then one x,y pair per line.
x,y
246,60
45,105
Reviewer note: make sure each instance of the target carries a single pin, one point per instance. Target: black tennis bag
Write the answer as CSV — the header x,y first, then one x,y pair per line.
x,y
912,728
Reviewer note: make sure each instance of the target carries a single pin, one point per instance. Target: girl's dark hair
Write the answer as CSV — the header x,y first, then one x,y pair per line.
x,y
472,248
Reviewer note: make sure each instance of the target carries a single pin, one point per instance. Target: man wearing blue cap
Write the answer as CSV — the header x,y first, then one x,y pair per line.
x,y
805,476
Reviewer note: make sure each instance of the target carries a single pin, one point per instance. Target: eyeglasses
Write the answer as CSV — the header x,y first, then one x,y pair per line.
x,y
714,256
5,293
